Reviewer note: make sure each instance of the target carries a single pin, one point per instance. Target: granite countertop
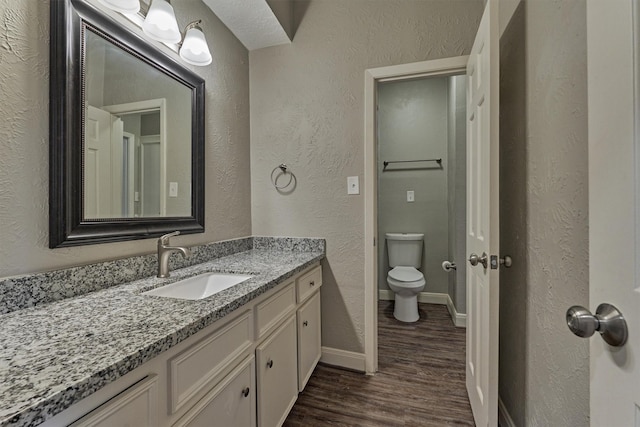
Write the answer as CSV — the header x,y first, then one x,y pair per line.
x,y
54,355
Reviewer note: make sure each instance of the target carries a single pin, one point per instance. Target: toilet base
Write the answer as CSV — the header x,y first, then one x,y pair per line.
x,y
406,308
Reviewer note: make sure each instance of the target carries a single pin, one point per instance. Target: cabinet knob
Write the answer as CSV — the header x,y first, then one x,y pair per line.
x,y
305,323
270,364
245,392
312,283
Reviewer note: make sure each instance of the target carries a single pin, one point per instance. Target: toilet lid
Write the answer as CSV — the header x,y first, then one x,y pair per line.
x,y
405,274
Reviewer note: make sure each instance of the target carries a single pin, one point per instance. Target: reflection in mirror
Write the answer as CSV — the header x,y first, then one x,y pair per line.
x,y
126,133
134,164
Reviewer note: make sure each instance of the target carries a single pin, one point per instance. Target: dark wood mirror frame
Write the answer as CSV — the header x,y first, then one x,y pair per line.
x,y
66,103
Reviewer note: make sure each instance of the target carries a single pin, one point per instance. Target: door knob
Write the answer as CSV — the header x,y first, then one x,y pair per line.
x,y
607,320
475,259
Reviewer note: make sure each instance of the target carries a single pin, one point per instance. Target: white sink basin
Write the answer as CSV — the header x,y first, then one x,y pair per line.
x,y
199,287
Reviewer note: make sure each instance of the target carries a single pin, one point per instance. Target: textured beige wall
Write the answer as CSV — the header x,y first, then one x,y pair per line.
x,y
283,10
307,110
513,220
558,363
544,370
413,124
24,141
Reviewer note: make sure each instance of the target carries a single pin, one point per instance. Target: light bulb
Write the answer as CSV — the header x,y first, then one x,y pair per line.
x,y
195,50
160,23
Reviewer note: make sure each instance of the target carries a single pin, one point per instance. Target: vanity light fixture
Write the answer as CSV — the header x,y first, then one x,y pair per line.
x,y
122,6
160,23
194,49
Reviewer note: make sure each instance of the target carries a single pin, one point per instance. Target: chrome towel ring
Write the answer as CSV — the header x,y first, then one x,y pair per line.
x,y
283,171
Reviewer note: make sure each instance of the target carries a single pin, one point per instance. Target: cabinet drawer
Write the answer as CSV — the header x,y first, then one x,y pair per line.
x,y
309,339
271,311
194,370
136,406
308,283
231,403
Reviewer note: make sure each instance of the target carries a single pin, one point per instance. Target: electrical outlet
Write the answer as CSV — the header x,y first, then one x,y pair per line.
x,y
411,197
353,185
173,189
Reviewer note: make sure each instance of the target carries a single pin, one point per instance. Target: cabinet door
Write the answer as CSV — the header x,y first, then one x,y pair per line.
x,y
196,369
309,339
277,373
136,406
231,403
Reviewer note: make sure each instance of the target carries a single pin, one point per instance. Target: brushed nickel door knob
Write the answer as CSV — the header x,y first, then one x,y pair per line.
x,y
475,259
607,320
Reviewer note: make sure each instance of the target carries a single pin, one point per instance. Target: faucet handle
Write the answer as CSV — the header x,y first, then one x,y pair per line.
x,y
164,240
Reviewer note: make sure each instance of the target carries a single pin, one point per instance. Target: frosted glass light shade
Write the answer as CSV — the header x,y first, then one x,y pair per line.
x,y
122,6
195,49
160,23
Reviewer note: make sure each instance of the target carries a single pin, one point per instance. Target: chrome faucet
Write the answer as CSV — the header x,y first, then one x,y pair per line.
x,y
164,250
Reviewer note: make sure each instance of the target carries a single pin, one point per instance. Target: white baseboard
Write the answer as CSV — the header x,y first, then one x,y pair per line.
x,y
424,297
459,319
343,359
385,295
504,419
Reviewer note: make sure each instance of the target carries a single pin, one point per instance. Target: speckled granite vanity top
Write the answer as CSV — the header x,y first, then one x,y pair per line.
x,y
54,355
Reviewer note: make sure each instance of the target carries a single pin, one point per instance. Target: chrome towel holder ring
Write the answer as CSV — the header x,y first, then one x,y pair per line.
x,y
284,170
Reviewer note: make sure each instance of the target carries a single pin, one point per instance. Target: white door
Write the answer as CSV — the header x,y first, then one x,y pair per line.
x,y
97,164
117,166
151,182
482,220
614,234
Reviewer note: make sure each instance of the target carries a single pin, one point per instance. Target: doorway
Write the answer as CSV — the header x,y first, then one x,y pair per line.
x,y
374,78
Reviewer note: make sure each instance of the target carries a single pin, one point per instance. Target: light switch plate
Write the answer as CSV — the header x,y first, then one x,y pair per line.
x,y
353,185
411,196
173,189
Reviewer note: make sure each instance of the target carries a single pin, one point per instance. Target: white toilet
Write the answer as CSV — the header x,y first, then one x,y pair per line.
x,y
405,257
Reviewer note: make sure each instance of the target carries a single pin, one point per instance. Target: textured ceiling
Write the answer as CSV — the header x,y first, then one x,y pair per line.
x,y
251,21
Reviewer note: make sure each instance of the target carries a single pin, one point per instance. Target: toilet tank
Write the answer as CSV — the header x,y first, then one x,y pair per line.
x,y
405,249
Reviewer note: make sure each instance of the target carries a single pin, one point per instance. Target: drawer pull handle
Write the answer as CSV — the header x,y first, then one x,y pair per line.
x,y
305,323
312,283
270,364
245,392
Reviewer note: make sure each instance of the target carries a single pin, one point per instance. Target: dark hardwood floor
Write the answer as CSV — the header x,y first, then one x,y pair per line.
x,y
421,379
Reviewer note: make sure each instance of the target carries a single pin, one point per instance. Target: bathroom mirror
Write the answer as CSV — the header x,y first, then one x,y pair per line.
x,y
127,134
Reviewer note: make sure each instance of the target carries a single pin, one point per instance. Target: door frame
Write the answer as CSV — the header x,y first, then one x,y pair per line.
x,y
439,67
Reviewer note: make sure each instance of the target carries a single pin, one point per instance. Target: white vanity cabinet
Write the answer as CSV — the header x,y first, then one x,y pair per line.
x,y
244,370
277,375
231,402
309,339
198,368
309,324
136,406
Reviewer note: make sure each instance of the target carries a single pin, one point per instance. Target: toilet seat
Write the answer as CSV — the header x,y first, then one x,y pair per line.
x,y
406,278
405,274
